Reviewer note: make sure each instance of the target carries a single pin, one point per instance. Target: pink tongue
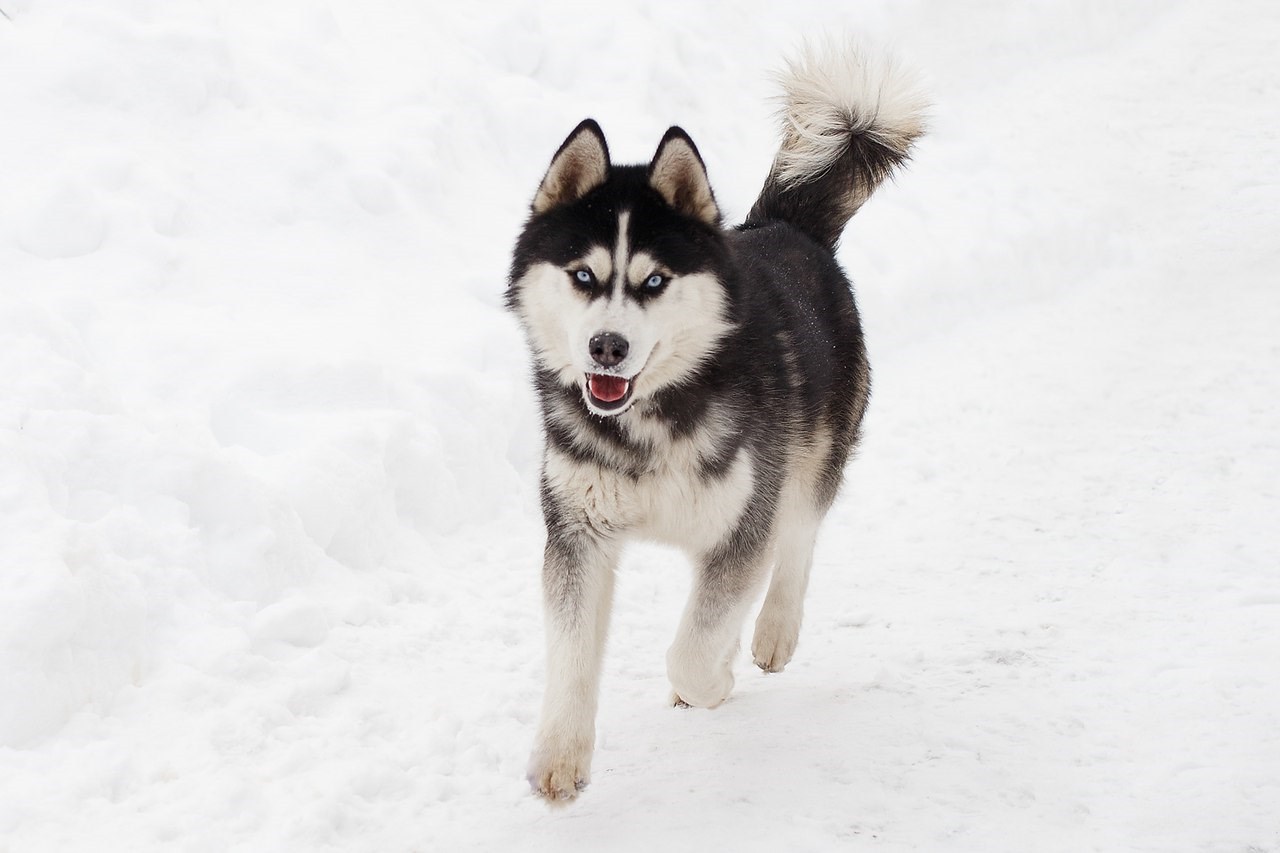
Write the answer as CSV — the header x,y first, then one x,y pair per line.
x,y
610,389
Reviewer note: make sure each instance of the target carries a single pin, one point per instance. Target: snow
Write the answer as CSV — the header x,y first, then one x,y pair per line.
x,y
269,537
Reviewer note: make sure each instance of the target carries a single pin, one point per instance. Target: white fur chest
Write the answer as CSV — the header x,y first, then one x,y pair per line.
x,y
676,502
682,506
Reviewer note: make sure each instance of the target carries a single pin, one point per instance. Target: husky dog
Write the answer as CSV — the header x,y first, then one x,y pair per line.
x,y
700,387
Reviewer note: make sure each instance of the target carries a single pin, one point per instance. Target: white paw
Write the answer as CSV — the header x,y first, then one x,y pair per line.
x,y
774,642
559,773
696,683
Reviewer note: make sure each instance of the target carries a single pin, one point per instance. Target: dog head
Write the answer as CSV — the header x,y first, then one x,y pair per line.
x,y
616,276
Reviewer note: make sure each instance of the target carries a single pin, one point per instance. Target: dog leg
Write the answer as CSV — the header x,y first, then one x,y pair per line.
x,y
700,661
577,592
778,625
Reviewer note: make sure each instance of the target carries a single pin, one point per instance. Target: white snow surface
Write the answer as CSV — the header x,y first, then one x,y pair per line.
x,y
269,535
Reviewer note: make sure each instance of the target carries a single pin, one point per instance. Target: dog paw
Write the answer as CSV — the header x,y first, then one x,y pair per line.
x,y
774,643
559,775
698,686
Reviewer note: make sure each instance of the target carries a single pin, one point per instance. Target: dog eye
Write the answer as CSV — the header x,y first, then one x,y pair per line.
x,y
585,278
655,282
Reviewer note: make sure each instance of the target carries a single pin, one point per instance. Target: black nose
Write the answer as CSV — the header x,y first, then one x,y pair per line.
x,y
609,348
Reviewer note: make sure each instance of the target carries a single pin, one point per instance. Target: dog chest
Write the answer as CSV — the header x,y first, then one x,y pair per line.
x,y
679,502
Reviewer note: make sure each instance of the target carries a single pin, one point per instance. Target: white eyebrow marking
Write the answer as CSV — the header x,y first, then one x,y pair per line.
x,y
597,260
642,266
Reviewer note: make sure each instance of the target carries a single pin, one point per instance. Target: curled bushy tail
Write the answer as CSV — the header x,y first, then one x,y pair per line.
x,y
848,119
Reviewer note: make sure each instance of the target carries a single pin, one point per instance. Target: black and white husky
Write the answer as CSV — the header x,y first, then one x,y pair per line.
x,y
700,386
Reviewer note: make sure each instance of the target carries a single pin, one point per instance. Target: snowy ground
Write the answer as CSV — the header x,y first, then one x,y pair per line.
x,y
269,542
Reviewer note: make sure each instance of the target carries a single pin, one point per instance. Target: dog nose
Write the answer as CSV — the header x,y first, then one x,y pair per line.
x,y
608,348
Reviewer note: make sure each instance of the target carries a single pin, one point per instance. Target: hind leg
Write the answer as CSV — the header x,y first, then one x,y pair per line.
x,y
778,625
700,661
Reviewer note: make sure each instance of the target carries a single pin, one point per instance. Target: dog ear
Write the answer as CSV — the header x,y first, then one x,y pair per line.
x,y
581,165
680,177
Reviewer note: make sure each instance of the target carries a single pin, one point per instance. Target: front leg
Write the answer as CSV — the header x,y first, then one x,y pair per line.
x,y
700,661
577,583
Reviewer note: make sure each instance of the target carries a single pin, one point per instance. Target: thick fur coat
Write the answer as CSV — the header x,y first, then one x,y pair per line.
x,y
700,386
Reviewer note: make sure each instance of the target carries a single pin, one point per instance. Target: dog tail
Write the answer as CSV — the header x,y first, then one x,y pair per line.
x,y
848,120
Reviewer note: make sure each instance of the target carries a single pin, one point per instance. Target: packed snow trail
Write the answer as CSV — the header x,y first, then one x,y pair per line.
x,y
269,539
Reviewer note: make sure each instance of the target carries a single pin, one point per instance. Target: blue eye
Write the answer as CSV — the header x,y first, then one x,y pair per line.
x,y
585,277
655,282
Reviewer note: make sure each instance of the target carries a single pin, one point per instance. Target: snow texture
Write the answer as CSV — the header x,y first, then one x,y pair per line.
x,y
269,537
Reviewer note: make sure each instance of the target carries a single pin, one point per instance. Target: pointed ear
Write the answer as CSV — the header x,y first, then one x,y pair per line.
x,y
581,165
678,174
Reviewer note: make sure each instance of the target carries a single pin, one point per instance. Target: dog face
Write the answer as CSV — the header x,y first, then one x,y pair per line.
x,y
615,275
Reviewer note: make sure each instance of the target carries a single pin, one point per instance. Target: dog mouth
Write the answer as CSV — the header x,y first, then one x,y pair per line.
x,y
609,394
